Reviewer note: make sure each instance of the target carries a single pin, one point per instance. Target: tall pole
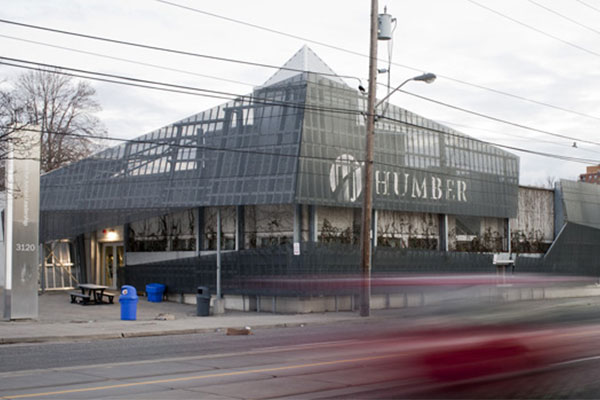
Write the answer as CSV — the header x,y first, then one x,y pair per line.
x,y
219,253
365,288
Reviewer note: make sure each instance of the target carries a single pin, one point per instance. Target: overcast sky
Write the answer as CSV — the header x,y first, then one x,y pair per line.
x,y
549,53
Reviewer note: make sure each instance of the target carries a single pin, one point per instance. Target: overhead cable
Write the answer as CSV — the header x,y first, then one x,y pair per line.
x,y
456,80
167,50
587,5
348,51
503,121
575,46
564,17
210,93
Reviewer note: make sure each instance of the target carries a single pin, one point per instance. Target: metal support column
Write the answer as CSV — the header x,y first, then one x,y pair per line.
x,y
199,216
218,253
313,234
374,230
443,232
297,223
240,237
508,241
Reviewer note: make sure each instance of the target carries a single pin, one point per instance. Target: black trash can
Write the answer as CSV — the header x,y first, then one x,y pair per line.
x,y
203,301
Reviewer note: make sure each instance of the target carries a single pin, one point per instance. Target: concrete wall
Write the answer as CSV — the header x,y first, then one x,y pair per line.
x,y
415,298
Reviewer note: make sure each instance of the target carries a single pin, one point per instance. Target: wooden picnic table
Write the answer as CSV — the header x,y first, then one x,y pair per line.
x,y
91,294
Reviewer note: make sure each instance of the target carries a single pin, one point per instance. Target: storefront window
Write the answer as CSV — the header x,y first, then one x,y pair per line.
x,y
407,230
171,232
269,225
228,228
476,234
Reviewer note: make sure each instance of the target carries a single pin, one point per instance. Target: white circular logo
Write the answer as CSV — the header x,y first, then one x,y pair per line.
x,y
345,178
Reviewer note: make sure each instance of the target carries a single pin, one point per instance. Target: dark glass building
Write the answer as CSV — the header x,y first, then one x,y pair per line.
x,y
274,180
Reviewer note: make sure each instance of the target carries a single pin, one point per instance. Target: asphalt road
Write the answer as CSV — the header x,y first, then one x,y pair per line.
x,y
519,350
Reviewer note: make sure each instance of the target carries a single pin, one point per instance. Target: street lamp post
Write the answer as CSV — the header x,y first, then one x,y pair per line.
x,y
367,208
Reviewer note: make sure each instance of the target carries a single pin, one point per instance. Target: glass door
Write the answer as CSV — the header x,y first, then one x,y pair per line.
x,y
112,262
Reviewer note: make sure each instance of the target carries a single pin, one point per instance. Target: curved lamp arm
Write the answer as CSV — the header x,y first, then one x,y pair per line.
x,y
427,78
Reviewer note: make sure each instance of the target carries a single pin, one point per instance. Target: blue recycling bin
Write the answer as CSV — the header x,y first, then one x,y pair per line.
x,y
128,300
155,292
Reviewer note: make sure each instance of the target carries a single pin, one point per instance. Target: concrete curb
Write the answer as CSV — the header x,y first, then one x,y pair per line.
x,y
141,334
44,339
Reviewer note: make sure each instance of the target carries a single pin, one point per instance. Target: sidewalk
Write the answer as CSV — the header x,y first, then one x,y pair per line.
x,y
60,320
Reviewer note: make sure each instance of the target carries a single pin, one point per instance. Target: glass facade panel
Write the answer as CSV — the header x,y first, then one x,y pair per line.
x,y
422,166
300,140
251,143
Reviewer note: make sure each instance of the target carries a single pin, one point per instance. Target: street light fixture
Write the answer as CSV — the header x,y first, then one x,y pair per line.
x,y
427,78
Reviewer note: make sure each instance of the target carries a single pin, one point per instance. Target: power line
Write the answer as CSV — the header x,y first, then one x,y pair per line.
x,y
258,100
576,46
262,28
184,90
171,143
348,51
514,96
148,84
171,69
499,119
224,95
167,50
514,148
564,17
34,68
520,137
127,60
124,60
589,6
456,80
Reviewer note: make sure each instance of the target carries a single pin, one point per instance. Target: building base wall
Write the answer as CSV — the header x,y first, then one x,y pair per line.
x,y
323,277
321,304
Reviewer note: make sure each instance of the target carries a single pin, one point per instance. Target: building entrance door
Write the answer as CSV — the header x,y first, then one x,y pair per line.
x,y
112,261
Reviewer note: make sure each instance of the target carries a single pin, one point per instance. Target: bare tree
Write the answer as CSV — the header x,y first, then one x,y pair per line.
x,y
62,107
8,119
549,182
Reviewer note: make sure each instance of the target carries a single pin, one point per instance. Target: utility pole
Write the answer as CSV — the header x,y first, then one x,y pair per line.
x,y
367,208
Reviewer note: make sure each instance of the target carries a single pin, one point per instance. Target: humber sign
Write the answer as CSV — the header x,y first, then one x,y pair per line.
x,y
389,183
345,180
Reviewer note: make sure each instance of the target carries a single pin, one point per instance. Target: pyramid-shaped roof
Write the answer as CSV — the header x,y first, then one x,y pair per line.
x,y
305,60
